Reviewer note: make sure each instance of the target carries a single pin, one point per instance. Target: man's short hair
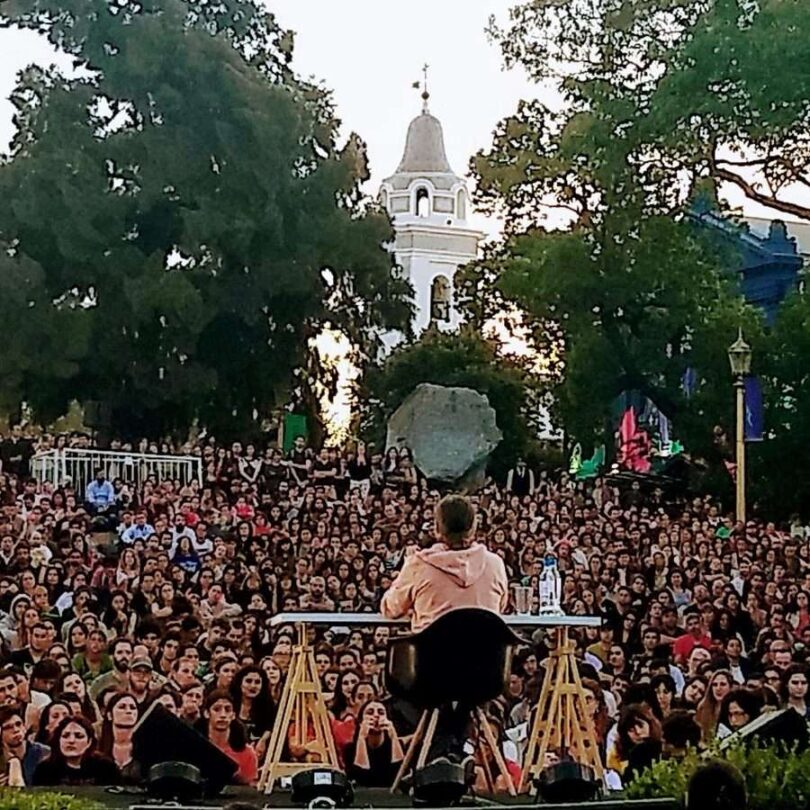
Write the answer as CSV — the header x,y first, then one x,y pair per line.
x,y
7,712
680,730
456,516
46,669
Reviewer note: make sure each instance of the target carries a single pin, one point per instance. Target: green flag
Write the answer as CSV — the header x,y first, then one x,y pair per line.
x,y
295,424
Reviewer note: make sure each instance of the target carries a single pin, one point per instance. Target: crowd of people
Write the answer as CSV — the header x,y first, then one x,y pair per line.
x,y
127,594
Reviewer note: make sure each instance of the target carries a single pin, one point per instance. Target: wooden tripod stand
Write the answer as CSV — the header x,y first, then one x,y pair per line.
x,y
562,723
302,706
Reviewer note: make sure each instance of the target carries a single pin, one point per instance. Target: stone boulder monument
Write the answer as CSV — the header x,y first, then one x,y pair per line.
x,y
450,431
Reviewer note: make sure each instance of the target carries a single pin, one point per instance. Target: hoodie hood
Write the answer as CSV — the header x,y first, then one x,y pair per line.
x,y
464,566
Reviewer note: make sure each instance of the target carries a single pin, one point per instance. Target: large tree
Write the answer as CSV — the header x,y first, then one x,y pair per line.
x,y
177,220
666,103
712,88
631,294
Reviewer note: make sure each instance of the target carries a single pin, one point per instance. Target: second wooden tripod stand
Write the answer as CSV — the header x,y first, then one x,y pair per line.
x,y
562,722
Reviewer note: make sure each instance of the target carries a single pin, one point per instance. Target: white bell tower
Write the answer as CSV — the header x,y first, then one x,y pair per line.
x,y
429,205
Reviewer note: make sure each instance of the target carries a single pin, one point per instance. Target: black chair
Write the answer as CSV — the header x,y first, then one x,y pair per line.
x,y
463,657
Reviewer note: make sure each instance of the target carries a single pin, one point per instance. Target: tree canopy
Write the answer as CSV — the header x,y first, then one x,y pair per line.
x,y
178,219
714,89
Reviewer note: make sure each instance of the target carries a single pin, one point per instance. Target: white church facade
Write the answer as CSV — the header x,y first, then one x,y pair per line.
x,y
429,205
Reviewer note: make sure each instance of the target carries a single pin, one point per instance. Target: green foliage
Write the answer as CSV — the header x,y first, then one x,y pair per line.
x,y
455,359
14,799
690,101
667,778
178,221
663,106
775,779
783,487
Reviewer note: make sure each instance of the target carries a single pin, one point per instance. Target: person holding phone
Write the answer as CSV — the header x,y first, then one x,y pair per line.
x,y
374,755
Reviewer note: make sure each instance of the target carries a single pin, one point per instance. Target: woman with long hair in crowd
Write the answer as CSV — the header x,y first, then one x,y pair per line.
x,y
74,760
120,717
342,708
375,752
184,556
52,715
596,704
128,570
250,691
664,687
740,706
637,727
72,684
694,690
794,689
118,617
226,732
708,710
275,678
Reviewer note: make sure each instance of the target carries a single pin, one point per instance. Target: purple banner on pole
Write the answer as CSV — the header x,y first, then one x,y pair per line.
x,y
754,411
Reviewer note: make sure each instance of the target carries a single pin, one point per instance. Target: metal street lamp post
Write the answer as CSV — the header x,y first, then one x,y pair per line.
x,y
739,357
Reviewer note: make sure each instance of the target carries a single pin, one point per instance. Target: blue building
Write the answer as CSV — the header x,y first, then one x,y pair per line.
x,y
770,258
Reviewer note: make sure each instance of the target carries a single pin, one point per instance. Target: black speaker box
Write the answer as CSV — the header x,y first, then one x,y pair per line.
x,y
161,737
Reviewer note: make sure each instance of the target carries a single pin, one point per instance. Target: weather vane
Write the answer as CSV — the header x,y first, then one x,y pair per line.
x,y
424,86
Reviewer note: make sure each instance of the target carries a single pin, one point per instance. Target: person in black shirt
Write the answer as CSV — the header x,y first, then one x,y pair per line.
x,y
520,480
273,471
373,757
298,462
74,760
359,468
324,471
15,454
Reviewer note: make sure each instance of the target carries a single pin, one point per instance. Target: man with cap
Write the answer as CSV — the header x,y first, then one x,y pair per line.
x,y
139,679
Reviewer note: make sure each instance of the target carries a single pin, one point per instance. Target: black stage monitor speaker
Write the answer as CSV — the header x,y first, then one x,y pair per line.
x,y
566,782
439,784
785,726
175,781
321,787
160,737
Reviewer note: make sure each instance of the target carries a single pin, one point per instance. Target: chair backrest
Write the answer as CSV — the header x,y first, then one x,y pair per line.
x,y
464,656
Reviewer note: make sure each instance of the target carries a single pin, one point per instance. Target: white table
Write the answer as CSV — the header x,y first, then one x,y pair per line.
x,y
302,697
369,619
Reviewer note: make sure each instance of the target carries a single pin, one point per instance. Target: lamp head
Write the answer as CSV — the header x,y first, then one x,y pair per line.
x,y
739,356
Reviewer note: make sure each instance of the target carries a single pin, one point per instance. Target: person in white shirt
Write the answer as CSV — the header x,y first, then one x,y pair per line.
x,y
139,530
202,543
181,530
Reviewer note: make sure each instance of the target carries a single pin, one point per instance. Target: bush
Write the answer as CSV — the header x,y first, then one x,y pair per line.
x,y
775,778
27,799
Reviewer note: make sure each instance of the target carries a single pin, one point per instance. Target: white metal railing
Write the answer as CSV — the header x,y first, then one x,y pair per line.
x,y
79,467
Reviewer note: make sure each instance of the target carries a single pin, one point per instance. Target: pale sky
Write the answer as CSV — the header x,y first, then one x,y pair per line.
x,y
370,52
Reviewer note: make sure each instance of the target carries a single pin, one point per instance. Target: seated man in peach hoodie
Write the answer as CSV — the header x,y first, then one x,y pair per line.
x,y
451,574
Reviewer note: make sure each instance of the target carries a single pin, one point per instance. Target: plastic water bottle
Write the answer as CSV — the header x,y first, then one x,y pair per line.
x,y
550,588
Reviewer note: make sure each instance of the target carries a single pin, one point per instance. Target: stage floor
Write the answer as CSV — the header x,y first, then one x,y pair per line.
x,y
246,798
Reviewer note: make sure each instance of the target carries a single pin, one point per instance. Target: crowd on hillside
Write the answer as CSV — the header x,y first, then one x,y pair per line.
x,y
122,595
